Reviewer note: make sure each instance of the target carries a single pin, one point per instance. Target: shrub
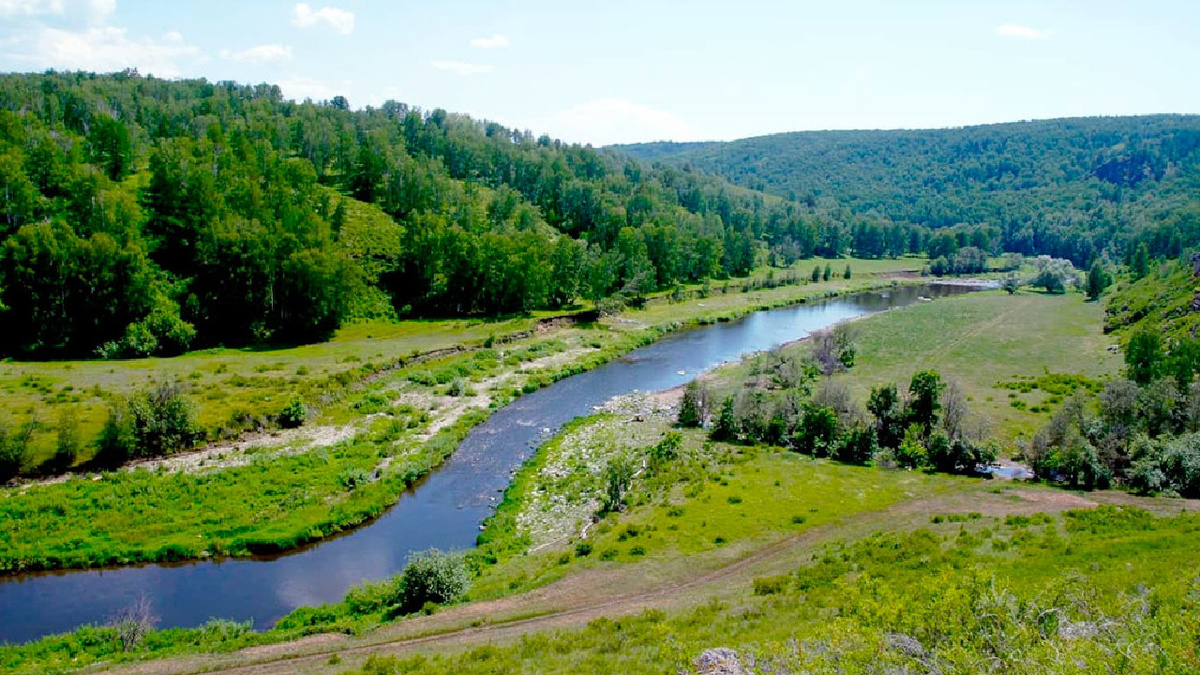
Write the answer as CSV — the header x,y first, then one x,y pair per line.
x,y
14,450
618,476
770,585
693,409
432,576
293,414
67,443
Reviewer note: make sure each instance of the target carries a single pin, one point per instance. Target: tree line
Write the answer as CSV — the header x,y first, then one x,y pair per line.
x,y
789,401
1069,188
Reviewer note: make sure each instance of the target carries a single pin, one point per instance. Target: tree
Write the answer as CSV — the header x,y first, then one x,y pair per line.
x,y
1011,283
924,393
618,477
1139,265
134,623
1144,356
1097,281
693,409
818,432
726,426
1053,274
911,452
67,443
848,273
828,272
857,446
816,274
885,405
14,449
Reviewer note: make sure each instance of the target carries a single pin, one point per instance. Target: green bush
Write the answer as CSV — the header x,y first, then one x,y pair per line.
x,y
432,576
293,414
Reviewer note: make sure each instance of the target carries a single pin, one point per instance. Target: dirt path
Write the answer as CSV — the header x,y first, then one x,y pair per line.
x,y
583,597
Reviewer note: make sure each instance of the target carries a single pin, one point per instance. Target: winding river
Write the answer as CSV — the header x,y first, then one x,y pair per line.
x,y
444,510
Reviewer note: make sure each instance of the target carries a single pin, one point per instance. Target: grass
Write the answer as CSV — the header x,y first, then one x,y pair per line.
x,y
714,497
1055,594
986,342
983,340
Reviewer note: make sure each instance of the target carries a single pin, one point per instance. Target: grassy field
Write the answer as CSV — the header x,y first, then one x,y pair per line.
x,y
1015,357
989,343
712,498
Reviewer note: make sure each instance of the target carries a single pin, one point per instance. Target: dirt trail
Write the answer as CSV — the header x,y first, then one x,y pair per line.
x,y
580,598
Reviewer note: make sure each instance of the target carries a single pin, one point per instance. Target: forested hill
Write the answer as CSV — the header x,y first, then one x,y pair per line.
x,y
144,216
1067,187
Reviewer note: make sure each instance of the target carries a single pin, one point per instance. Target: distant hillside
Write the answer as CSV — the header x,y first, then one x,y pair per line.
x,y
146,216
1067,186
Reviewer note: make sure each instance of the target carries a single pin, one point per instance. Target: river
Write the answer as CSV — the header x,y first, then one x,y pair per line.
x,y
442,511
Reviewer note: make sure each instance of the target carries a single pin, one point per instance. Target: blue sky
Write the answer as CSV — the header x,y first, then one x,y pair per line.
x,y
620,71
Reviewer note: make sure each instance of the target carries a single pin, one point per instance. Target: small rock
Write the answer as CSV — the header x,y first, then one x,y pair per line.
x,y
719,661
906,644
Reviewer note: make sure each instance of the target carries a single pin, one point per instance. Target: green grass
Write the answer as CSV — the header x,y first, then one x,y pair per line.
x,y
983,341
1075,593
715,496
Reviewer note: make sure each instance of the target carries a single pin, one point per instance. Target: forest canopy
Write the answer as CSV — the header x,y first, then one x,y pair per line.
x,y
141,216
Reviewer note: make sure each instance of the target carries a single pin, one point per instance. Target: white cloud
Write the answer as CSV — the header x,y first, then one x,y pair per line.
x,y
461,68
300,87
108,48
31,7
90,10
495,42
605,121
1016,30
340,20
259,54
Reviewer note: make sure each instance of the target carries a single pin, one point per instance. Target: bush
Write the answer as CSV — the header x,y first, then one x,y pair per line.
x,y
14,450
432,576
618,476
293,414
693,409
858,446
67,444
373,596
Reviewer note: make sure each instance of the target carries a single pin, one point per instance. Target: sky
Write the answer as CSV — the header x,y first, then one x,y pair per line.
x,y
619,71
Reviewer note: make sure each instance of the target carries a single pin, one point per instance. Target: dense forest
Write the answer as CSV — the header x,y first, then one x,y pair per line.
x,y
142,216
145,216
1069,188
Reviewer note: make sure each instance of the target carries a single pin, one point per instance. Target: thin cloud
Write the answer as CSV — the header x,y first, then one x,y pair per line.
x,y
462,69
340,20
300,87
90,10
1016,30
605,121
496,41
109,48
259,54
